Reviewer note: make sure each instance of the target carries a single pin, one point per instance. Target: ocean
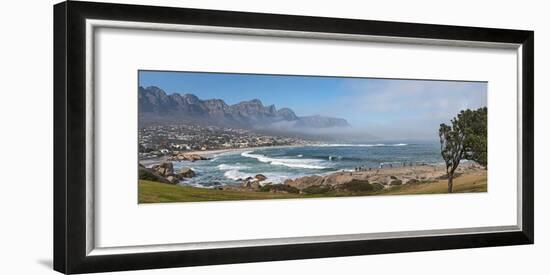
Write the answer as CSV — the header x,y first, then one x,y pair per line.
x,y
281,163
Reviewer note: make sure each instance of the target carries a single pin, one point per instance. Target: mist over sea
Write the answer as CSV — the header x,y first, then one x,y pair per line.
x,y
281,163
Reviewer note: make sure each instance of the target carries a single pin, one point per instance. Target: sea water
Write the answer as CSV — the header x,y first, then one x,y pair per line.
x,y
281,163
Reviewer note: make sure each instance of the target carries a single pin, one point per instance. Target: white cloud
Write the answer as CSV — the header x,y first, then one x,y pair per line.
x,y
409,108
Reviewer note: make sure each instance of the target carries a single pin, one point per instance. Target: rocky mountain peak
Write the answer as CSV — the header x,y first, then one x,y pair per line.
x,y
156,106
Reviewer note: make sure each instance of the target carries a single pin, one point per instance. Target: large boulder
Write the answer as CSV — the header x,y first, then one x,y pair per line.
x,y
164,169
338,178
252,184
149,174
188,157
260,177
396,182
186,172
193,157
172,179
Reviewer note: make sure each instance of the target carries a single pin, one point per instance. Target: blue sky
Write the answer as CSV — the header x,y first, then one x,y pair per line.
x,y
386,108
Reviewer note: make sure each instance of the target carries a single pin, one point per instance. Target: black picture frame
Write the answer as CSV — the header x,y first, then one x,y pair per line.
x,y
70,254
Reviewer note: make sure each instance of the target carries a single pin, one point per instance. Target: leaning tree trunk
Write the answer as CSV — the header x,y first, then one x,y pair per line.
x,y
450,183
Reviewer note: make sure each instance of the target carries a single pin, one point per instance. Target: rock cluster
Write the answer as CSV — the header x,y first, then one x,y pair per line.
x,y
164,172
352,181
254,182
187,156
186,172
164,169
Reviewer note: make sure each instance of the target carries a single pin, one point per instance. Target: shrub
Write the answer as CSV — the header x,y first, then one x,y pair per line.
x,y
377,186
358,186
279,188
317,189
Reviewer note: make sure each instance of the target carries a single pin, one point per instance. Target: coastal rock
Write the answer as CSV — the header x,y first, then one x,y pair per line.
x,y
260,177
172,179
252,184
149,174
413,181
304,182
396,182
383,183
338,178
186,172
164,169
188,157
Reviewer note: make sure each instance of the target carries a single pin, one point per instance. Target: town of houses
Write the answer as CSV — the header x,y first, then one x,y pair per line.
x,y
159,140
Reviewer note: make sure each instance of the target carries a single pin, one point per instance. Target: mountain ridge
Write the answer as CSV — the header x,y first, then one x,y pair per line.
x,y
155,105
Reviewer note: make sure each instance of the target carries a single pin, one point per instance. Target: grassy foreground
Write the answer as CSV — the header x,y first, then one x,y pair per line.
x,y
152,192
469,183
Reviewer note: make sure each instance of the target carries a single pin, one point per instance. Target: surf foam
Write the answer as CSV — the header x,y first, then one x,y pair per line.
x,y
293,163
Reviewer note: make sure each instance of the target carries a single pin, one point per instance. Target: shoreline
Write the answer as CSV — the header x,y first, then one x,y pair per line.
x,y
221,151
211,153
338,184
383,175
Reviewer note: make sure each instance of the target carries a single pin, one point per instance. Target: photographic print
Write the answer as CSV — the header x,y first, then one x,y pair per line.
x,y
225,136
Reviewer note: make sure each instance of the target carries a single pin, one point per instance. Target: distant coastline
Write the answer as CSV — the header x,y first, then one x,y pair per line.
x,y
211,153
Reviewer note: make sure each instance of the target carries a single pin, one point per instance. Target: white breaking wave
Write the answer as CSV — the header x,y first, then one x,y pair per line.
x,y
274,178
335,158
235,174
224,167
293,163
358,145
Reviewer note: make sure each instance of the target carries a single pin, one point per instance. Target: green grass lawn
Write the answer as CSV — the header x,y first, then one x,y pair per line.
x,y
470,183
151,192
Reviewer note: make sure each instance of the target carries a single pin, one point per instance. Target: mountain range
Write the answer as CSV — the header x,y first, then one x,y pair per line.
x,y
155,106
